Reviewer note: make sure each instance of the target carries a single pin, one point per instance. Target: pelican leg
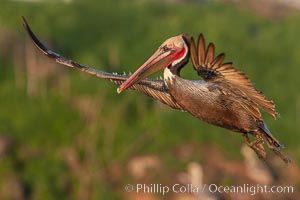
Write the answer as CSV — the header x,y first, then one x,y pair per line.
x,y
277,151
256,145
284,157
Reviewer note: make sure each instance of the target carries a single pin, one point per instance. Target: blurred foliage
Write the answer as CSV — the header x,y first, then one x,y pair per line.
x,y
105,128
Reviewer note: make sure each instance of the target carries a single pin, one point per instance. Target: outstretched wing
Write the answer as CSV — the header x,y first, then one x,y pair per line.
x,y
153,88
212,68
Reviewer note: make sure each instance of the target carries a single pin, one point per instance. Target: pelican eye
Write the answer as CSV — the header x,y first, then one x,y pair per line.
x,y
165,48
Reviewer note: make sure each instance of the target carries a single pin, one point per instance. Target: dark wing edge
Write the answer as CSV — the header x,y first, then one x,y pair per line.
x,y
212,68
153,88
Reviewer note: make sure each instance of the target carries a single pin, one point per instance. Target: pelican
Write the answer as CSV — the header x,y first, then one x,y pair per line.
x,y
224,97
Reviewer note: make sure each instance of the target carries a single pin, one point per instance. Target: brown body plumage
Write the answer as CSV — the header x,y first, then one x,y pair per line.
x,y
225,97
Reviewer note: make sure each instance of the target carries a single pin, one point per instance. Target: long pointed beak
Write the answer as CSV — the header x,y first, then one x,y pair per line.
x,y
159,60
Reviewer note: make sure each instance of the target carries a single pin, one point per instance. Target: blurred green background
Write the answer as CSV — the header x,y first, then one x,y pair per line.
x,y
69,135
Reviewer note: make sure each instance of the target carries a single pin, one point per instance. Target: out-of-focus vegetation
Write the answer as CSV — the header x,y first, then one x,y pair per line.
x,y
68,135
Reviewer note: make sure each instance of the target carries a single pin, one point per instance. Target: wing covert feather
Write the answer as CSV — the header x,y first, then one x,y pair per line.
x,y
214,70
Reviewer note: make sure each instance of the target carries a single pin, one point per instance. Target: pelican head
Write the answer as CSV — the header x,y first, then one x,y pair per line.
x,y
174,52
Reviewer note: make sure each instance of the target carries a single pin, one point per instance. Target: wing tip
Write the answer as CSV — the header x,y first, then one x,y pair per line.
x,y
194,56
201,36
24,21
34,38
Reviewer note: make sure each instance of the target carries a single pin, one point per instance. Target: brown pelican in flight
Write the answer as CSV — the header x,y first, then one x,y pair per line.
x,y
224,97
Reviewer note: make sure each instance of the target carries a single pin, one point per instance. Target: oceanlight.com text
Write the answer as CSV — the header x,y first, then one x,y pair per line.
x,y
207,188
